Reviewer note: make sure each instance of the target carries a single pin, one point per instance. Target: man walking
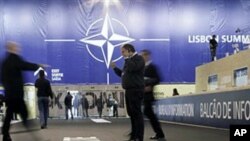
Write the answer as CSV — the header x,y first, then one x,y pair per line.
x,y
43,93
151,78
12,79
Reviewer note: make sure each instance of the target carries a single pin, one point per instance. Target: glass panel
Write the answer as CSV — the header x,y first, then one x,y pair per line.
x,y
212,82
240,77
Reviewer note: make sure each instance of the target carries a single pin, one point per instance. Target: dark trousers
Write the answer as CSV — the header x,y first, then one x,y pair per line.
x,y
43,106
129,114
213,54
99,110
148,111
85,112
134,101
68,108
115,111
14,106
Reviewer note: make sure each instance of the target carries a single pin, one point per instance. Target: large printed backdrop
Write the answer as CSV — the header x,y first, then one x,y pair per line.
x,y
79,38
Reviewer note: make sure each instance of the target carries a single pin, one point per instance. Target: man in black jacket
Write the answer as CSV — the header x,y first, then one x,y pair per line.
x,y
151,78
43,93
133,83
213,45
12,80
68,105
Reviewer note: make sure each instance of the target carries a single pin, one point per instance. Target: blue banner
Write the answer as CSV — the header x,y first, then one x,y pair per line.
x,y
79,38
213,109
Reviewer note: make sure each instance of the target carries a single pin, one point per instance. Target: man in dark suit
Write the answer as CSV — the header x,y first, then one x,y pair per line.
x,y
133,83
12,80
151,78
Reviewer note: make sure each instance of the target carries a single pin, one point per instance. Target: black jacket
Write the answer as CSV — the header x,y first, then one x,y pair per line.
x,y
151,78
68,100
151,75
11,75
132,73
213,44
43,88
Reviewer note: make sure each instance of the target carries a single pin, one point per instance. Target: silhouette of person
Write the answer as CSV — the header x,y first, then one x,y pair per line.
x,y
43,93
76,104
85,106
175,92
12,80
99,104
115,108
213,45
86,102
110,105
133,83
68,105
151,78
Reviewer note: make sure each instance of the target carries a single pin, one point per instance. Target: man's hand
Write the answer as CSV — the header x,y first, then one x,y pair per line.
x,y
112,64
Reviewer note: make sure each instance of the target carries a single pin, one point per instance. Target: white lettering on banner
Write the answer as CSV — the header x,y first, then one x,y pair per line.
x,y
55,70
245,39
235,38
215,110
199,38
238,110
56,75
184,110
241,110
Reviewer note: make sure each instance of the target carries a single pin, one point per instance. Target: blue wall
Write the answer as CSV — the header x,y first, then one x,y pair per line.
x,y
220,109
64,34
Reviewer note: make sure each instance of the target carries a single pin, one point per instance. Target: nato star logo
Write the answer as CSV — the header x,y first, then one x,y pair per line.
x,y
107,38
113,34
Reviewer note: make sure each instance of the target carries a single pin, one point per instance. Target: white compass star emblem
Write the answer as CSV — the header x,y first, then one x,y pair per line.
x,y
107,38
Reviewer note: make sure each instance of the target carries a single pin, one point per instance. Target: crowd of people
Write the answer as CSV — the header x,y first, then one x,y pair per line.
x,y
72,103
139,76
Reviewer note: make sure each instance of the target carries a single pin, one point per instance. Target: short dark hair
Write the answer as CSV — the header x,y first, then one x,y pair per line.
x,y
129,47
146,52
41,73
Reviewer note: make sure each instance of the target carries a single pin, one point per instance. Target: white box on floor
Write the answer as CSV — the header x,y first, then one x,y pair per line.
x,y
80,139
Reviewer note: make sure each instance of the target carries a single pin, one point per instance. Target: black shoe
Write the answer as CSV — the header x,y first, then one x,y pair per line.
x,y
43,127
156,137
6,138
